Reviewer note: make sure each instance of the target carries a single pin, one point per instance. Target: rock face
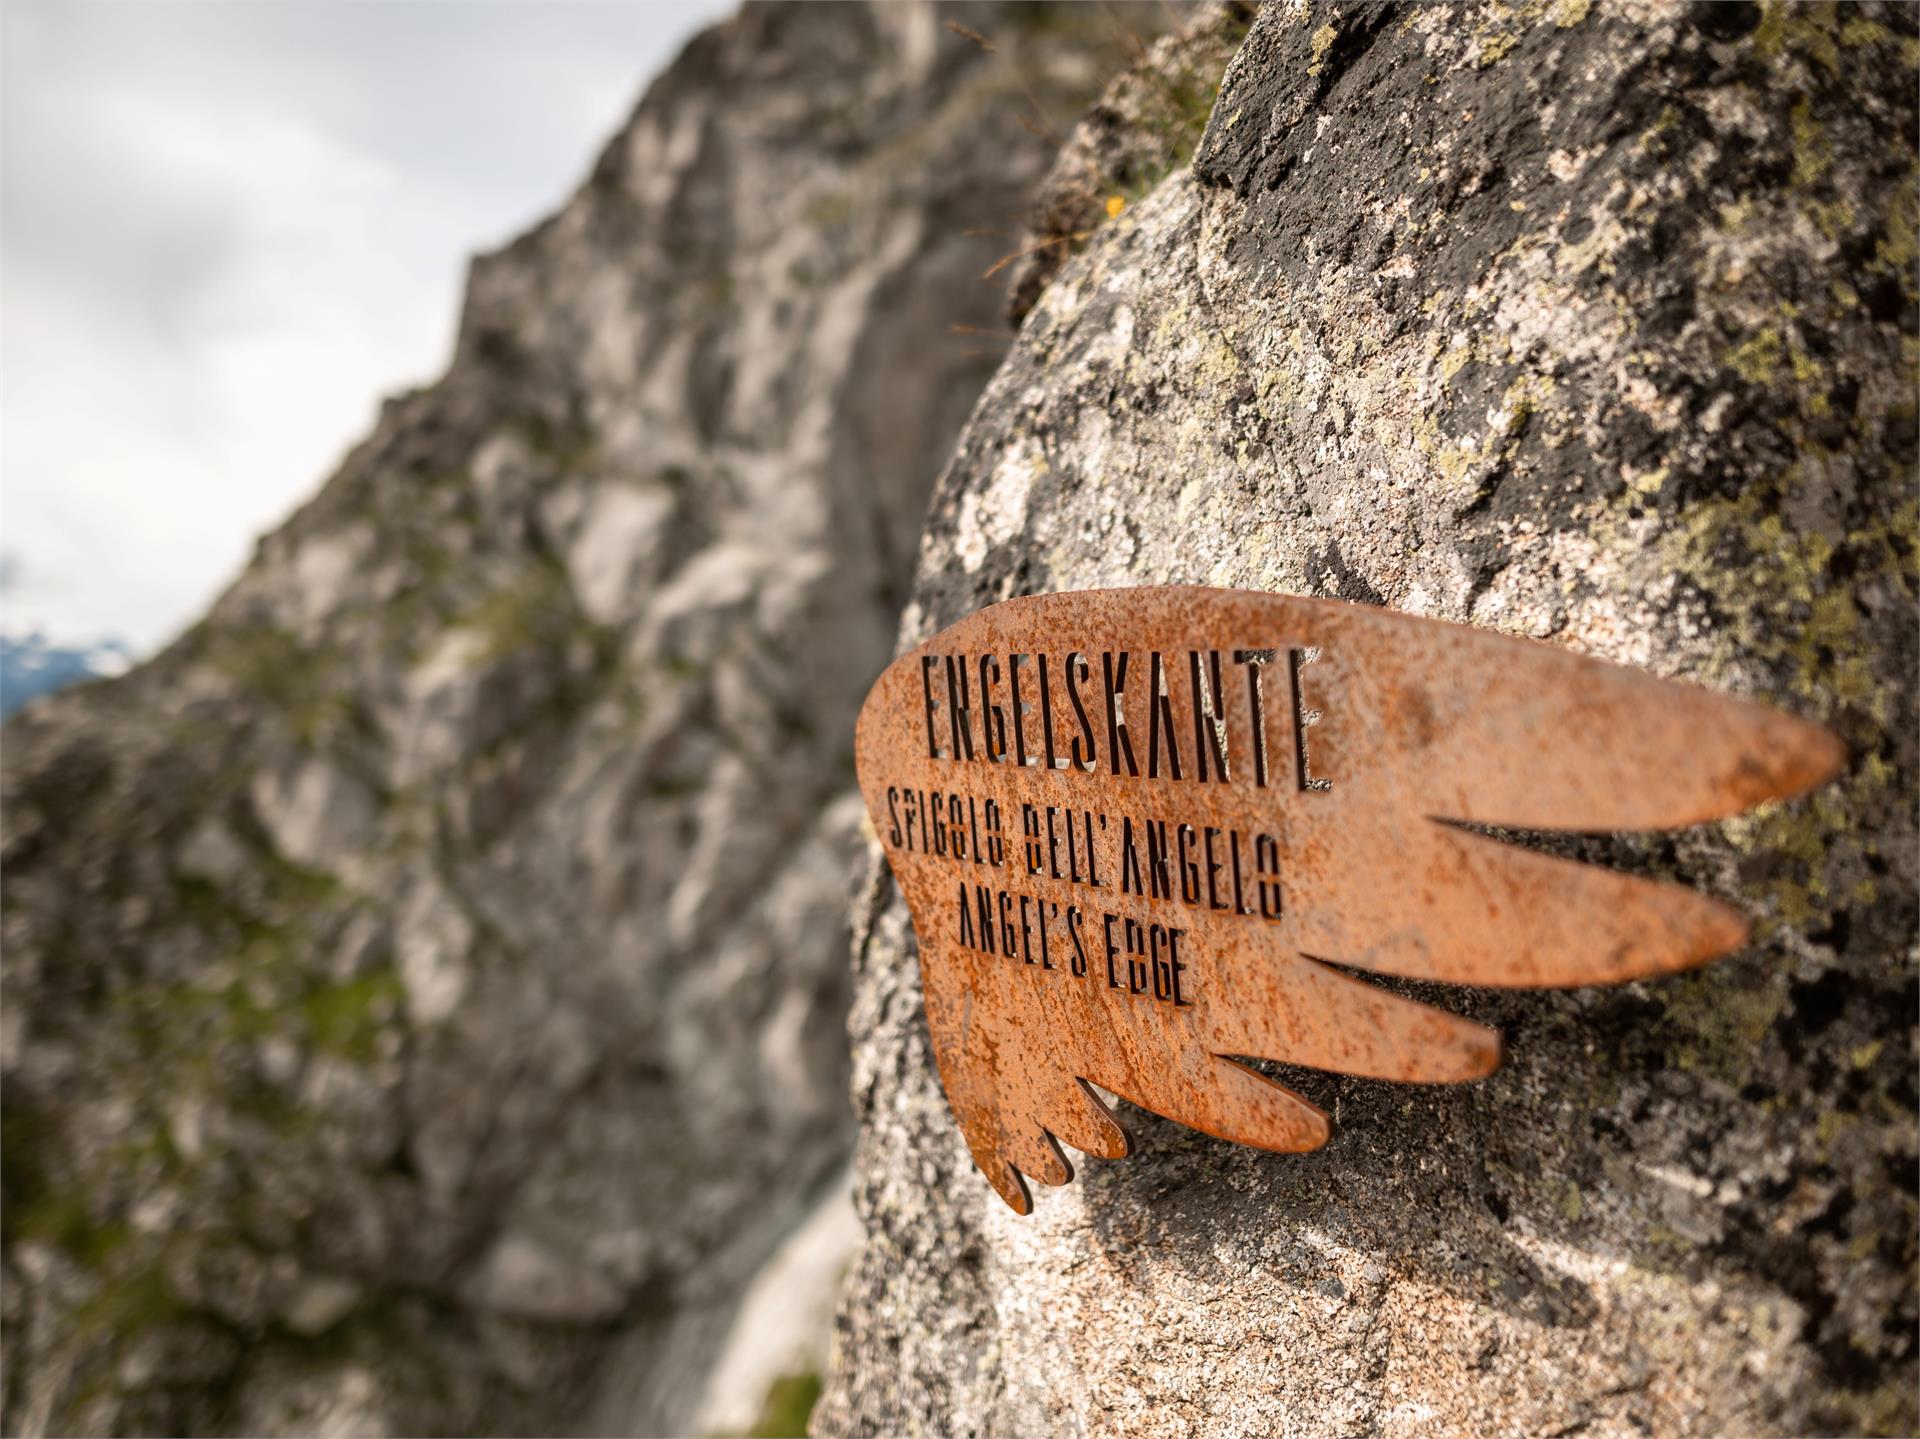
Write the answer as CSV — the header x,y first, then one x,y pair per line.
x,y
1591,324
425,982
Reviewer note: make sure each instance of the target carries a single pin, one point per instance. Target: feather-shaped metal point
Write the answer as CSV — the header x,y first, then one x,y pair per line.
x,y
1136,830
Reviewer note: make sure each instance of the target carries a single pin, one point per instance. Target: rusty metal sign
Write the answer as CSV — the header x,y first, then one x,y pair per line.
x,y
1137,829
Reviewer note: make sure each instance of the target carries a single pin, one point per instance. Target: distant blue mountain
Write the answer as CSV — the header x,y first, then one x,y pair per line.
x,y
30,666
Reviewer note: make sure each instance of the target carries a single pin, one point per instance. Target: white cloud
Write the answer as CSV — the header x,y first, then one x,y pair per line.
x,y
225,231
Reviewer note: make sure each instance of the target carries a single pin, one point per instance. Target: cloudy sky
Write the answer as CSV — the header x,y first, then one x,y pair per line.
x,y
226,229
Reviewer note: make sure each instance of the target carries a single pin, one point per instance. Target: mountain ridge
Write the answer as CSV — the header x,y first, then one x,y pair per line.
x,y
428,970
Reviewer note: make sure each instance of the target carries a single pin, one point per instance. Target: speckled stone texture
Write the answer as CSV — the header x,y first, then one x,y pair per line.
x,y
1595,324
425,984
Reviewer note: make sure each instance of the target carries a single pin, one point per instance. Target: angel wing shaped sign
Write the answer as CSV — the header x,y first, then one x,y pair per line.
x,y
1138,829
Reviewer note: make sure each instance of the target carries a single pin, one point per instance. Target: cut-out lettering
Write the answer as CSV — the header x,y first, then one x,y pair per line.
x,y
1144,832
1304,718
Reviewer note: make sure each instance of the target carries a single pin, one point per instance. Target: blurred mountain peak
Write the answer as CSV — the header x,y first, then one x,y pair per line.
x,y
426,979
32,665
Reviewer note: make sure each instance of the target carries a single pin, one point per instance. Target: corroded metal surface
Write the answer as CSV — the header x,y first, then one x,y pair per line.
x,y
1131,824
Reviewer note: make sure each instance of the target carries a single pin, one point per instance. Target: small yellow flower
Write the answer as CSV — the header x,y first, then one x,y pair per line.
x,y
1115,204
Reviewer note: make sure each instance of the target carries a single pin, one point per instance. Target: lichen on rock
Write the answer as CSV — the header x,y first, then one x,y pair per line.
x,y
1594,324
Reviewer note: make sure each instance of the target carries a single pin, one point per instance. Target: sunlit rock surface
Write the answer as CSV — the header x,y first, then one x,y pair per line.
x,y
1594,324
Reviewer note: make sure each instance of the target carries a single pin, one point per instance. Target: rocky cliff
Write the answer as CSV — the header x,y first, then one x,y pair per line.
x,y
427,978
1595,324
